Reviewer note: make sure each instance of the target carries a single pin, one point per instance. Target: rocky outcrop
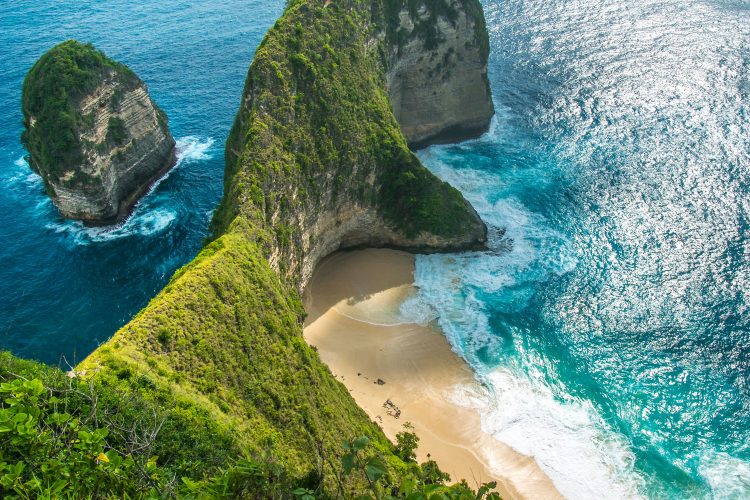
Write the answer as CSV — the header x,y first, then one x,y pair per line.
x,y
437,71
363,187
93,133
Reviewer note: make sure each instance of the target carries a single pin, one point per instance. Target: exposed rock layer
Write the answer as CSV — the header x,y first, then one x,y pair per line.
x,y
437,72
119,142
315,162
379,195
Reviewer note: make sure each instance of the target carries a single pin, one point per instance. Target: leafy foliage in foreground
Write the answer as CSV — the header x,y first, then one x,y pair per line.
x,y
55,442
244,407
61,438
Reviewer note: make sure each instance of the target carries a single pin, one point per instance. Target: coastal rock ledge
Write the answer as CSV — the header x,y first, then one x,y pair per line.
x,y
93,133
437,70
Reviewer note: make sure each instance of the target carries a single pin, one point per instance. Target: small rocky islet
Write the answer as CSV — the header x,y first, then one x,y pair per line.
x,y
92,133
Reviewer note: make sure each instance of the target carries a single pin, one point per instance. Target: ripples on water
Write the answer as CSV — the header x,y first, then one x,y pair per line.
x,y
613,323
610,317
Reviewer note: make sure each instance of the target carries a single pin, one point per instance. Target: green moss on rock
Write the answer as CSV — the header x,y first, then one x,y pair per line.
x,y
51,93
220,350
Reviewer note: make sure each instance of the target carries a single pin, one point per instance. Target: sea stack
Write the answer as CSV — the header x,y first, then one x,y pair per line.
x,y
92,133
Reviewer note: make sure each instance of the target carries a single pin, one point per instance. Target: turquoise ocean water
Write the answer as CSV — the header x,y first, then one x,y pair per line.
x,y
609,320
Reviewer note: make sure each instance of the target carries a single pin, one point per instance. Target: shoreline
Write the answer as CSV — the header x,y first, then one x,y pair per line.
x,y
399,371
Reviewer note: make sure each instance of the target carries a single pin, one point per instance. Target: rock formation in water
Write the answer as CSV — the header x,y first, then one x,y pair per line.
x,y
316,161
316,154
93,133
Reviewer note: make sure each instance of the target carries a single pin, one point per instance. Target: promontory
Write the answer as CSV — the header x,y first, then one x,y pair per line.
x,y
212,388
92,133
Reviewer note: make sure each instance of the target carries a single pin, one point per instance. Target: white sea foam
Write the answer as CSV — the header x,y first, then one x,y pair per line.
x,y
150,216
192,147
728,477
187,150
583,456
23,176
567,438
565,435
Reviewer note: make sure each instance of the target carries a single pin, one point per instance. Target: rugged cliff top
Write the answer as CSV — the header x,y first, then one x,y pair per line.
x,y
315,161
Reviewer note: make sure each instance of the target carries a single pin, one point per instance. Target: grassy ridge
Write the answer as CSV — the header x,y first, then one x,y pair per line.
x,y
316,122
223,339
218,356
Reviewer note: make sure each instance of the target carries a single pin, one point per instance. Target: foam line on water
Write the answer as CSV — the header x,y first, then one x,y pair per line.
x,y
584,457
396,306
566,436
728,477
151,215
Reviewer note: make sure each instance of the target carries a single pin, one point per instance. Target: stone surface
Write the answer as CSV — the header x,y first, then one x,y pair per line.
x,y
439,91
120,139
120,173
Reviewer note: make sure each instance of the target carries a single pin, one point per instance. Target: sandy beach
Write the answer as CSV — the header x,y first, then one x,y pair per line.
x,y
403,372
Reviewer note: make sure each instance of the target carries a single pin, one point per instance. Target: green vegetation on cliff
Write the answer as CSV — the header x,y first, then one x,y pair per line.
x,y
217,361
65,437
315,104
52,91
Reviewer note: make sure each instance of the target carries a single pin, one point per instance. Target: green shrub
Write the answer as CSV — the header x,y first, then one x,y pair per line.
x,y
116,131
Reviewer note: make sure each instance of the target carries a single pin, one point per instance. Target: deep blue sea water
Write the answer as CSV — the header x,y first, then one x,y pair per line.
x,y
65,288
609,321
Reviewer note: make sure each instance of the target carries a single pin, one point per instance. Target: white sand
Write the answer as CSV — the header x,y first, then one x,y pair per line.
x,y
353,301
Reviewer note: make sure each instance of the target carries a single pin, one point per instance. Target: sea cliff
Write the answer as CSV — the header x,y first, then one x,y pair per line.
x,y
436,70
93,133
316,161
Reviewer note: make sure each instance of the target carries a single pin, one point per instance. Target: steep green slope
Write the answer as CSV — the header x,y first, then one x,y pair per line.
x,y
315,162
315,132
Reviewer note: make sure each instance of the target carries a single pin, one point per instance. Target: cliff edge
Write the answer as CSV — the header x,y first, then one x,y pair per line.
x,y
92,133
316,161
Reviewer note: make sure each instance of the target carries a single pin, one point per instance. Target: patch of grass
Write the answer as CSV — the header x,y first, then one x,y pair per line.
x,y
219,354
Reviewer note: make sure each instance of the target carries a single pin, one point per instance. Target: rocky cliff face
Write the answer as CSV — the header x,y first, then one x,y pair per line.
x,y
362,187
437,71
93,133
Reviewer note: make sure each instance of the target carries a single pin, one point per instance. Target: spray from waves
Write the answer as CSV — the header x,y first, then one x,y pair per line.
x,y
22,178
188,149
727,476
526,406
567,438
152,215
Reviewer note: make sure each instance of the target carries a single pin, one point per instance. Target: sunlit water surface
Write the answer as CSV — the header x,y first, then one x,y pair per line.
x,y
610,317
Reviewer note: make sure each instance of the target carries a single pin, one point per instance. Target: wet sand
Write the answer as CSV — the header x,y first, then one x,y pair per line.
x,y
353,319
